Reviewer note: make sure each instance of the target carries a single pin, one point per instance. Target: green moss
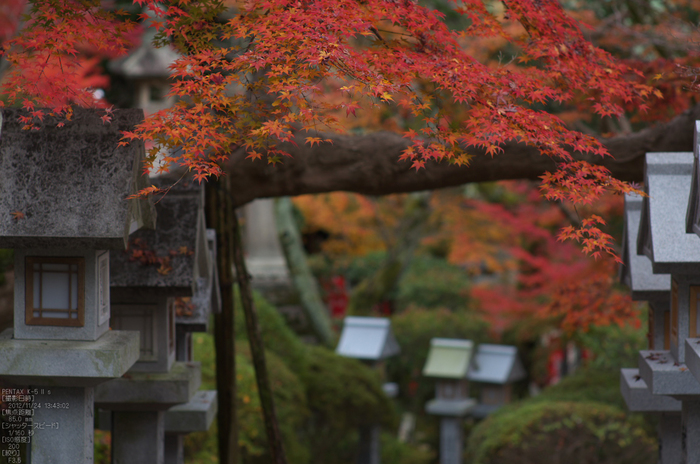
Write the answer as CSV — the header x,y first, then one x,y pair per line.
x,y
343,394
320,397
290,403
587,384
560,431
276,334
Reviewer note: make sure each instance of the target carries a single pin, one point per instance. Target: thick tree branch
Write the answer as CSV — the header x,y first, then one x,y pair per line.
x,y
368,164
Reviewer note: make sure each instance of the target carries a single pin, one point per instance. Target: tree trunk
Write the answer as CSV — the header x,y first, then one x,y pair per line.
x,y
369,163
219,213
257,349
303,279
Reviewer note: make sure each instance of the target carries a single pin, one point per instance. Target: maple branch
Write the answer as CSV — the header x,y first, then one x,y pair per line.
x,y
368,164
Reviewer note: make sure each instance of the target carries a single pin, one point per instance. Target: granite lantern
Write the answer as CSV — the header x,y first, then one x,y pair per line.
x,y
448,361
663,239
148,68
192,315
63,202
369,339
143,297
495,368
637,274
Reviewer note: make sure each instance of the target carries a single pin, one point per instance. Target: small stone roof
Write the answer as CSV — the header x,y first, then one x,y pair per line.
x,y
498,364
67,186
636,270
662,234
179,241
448,358
367,338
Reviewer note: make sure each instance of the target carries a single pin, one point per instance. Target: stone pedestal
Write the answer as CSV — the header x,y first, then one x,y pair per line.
x,y
451,414
193,416
638,397
141,391
450,440
138,437
370,449
63,426
62,375
670,432
664,376
138,402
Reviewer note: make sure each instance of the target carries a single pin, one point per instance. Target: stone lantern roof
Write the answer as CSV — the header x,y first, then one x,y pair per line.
x,y
367,338
662,233
67,186
448,358
497,364
636,270
179,241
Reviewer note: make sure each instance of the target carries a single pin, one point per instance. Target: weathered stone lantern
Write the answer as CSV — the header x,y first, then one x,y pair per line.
x,y
148,67
637,274
371,340
448,361
496,368
143,297
63,206
663,239
192,315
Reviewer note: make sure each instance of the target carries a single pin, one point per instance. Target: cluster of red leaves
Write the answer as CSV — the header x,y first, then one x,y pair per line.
x,y
580,183
139,250
376,52
581,304
538,275
183,306
55,56
279,57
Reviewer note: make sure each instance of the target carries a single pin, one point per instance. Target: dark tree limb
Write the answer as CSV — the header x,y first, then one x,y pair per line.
x,y
219,213
257,350
368,164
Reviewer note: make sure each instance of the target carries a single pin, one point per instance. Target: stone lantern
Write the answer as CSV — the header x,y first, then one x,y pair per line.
x,y
637,274
495,368
159,266
663,239
148,68
448,361
192,314
370,340
63,207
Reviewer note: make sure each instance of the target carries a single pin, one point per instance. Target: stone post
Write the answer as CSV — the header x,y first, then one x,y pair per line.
x,y
63,426
138,437
670,431
450,440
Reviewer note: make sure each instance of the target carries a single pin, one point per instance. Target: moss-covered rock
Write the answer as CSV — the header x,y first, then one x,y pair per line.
x,y
587,384
587,432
